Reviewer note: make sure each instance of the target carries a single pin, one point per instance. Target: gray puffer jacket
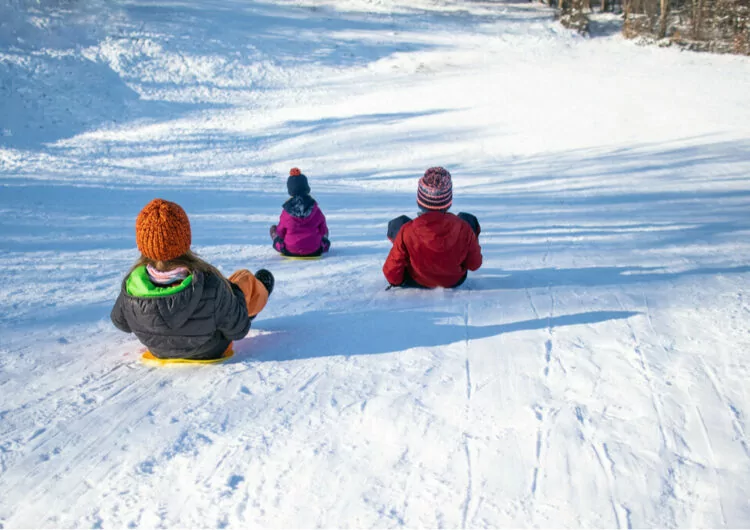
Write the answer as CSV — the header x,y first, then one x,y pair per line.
x,y
199,321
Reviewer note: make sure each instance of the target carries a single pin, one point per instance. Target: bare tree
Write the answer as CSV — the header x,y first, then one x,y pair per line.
x,y
697,18
663,18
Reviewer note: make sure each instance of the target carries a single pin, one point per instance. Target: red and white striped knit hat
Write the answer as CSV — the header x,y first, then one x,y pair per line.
x,y
435,191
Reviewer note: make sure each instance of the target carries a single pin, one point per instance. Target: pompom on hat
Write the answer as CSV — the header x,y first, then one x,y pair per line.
x,y
435,191
297,184
162,231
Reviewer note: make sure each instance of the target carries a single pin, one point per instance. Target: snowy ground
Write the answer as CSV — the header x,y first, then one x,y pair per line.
x,y
594,372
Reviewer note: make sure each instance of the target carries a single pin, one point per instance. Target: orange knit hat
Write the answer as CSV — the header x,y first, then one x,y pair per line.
x,y
162,230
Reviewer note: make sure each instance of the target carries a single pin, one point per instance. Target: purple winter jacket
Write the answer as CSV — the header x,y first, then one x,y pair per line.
x,y
302,229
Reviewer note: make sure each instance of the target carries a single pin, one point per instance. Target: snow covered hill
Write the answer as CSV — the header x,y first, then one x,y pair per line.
x,y
594,372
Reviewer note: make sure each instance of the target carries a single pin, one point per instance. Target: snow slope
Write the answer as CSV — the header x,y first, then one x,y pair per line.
x,y
592,373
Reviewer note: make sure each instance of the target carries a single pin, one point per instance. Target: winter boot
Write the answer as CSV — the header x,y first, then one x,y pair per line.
x,y
266,278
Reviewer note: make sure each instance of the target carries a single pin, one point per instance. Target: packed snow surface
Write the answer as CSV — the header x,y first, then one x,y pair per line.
x,y
594,371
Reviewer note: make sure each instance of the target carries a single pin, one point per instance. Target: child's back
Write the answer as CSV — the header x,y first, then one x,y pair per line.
x,y
437,248
302,228
179,306
196,319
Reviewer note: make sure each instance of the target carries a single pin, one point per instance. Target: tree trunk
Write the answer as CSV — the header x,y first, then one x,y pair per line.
x,y
697,18
605,7
663,18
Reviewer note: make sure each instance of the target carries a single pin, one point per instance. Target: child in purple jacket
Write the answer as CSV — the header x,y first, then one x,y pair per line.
x,y
302,229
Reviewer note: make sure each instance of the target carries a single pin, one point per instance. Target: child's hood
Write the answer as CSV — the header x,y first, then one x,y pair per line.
x,y
169,306
300,206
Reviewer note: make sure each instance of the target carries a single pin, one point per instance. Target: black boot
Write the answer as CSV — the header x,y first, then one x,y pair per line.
x,y
266,278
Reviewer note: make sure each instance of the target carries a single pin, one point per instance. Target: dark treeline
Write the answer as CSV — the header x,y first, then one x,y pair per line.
x,y
708,25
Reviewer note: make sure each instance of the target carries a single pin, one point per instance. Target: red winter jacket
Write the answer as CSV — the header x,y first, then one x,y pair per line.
x,y
436,249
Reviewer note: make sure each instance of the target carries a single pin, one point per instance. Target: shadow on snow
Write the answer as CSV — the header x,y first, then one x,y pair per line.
x,y
382,331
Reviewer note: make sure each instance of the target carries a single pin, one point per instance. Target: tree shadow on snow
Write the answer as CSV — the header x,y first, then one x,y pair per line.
x,y
327,333
51,90
67,217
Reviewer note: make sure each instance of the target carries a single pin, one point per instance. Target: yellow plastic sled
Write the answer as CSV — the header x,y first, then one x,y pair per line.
x,y
303,258
148,358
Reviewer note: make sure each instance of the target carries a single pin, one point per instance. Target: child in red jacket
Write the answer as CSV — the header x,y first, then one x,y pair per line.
x,y
437,248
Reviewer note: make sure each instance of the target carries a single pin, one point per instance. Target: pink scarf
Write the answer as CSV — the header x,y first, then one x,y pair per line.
x,y
158,277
